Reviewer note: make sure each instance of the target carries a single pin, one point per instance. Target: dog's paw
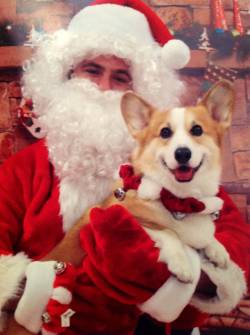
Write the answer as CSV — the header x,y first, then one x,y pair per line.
x,y
217,254
181,269
149,189
212,204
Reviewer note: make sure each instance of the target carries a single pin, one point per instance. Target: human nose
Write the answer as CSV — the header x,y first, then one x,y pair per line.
x,y
104,82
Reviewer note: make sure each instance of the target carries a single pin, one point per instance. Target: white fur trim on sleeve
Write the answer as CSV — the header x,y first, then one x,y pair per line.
x,y
172,297
231,287
12,272
38,290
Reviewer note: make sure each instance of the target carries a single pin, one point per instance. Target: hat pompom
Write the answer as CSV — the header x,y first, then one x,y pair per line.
x,y
175,54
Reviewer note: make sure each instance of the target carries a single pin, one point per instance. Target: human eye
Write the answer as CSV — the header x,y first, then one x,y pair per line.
x,y
122,77
91,69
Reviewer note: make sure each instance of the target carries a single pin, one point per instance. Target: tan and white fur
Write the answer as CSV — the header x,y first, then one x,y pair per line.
x,y
160,161
155,158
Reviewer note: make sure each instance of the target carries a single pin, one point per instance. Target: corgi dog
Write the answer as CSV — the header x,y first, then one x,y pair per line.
x,y
178,150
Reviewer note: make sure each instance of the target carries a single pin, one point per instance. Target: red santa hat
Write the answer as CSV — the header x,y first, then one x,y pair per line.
x,y
131,19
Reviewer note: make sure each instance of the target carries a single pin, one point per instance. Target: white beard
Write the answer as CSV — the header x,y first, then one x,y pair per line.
x,y
87,140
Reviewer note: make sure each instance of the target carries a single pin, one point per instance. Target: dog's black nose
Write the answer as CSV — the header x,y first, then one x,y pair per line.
x,y
183,155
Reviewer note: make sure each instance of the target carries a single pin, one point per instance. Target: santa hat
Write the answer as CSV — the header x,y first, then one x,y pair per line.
x,y
127,29
131,19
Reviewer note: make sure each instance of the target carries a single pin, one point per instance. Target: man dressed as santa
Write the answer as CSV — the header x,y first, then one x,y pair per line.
x,y
76,80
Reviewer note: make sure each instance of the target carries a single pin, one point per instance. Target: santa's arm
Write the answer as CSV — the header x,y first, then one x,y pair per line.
x,y
118,246
14,194
119,250
12,265
234,233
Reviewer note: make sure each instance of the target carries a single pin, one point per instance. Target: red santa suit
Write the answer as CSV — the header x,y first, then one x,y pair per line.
x,y
31,226
127,279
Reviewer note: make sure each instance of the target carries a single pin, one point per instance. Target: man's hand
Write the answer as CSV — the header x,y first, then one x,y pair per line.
x,y
13,328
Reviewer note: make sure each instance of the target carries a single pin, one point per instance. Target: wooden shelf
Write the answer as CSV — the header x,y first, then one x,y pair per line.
x,y
199,60
14,56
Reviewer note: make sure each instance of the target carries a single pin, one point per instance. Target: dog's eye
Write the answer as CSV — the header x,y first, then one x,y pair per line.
x,y
166,132
196,130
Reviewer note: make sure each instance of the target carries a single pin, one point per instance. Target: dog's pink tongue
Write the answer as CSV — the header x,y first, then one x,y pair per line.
x,y
184,173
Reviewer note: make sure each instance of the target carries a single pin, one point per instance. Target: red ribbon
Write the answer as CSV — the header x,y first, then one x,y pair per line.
x,y
174,204
130,180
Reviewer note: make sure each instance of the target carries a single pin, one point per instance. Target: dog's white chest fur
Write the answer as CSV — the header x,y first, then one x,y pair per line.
x,y
196,230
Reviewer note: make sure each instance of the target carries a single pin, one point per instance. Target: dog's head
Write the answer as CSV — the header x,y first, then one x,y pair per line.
x,y
181,148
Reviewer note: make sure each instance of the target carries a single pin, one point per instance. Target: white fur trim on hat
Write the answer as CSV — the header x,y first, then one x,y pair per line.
x,y
231,287
38,290
12,272
173,296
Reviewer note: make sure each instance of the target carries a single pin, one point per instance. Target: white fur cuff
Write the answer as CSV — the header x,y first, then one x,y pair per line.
x,y
172,297
231,286
12,271
38,291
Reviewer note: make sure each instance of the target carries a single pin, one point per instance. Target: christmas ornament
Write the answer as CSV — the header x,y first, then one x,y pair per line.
x,y
57,316
29,120
204,43
220,38
242,40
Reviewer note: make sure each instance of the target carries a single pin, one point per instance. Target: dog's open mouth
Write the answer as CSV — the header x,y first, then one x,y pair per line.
x,y
183,173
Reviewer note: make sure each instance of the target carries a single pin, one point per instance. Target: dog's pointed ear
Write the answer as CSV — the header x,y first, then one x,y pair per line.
x,y
136,112
219,101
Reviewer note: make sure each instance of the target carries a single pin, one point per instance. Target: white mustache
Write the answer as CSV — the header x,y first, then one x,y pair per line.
x,y
86,131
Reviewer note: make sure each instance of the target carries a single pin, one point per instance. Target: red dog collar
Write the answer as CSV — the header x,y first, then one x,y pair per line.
x,y
168,199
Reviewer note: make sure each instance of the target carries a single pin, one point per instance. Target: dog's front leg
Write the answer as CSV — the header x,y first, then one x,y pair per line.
x,y
172,253
217,254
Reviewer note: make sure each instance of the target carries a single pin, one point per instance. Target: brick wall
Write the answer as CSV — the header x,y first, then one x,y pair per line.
x,y
178,14
181,14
